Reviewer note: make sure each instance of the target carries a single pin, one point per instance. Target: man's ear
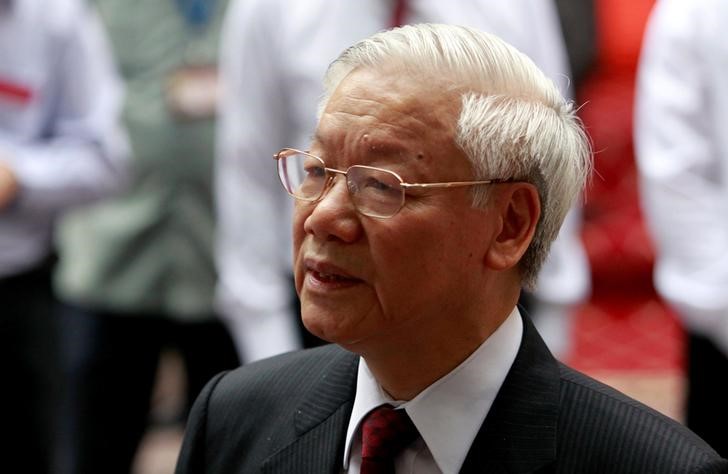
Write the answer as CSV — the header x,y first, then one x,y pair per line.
x,y
519,209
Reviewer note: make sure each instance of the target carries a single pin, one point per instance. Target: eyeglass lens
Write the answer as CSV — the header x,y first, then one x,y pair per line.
x,y
374,192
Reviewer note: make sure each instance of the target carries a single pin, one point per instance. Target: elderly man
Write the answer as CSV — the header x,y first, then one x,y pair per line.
x,y
442,167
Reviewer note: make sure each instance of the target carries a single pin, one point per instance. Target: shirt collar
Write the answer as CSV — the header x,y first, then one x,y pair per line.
x,y
448,413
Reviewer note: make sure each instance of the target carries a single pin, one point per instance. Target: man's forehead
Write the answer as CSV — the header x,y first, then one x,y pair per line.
x,y
371,96
398,85
388,107
373,141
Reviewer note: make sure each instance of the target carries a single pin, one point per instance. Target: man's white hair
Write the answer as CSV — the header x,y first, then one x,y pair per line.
x,y
513,121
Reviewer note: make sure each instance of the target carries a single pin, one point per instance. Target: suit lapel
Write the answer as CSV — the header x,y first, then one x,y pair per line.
x,y
320,422
519,433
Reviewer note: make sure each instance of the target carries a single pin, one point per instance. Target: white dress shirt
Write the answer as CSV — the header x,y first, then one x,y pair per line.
x,y
273,57
681,133
59,130
449,413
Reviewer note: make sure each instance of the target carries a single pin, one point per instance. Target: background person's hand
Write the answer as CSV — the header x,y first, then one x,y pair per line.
x,y
8,185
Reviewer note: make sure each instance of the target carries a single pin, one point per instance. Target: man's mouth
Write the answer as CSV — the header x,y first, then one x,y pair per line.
x,y
326,275
331,277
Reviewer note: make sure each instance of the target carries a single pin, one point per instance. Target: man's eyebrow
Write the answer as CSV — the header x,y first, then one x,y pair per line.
x,y
375,147
386,148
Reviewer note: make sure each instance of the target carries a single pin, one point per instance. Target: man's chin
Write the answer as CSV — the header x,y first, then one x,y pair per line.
x,y
318,328
327,328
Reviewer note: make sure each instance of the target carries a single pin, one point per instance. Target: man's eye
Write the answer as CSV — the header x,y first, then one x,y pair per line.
x,y
314,171
377,185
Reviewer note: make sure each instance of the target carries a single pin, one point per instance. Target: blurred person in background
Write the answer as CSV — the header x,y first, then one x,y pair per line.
x,y
136,273
273,55
682,149
60,146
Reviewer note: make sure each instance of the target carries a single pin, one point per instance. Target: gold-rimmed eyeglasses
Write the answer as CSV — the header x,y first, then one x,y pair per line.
x,y
375,192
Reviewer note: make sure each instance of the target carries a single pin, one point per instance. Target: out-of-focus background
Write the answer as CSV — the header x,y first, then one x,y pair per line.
x,y
140,211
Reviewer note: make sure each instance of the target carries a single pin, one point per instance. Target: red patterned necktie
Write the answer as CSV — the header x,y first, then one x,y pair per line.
x,y
385,433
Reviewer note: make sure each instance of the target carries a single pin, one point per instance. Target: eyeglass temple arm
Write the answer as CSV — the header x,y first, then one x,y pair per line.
x,y
453,184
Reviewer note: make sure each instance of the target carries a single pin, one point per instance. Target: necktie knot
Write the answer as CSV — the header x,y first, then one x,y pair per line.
x,y
385,433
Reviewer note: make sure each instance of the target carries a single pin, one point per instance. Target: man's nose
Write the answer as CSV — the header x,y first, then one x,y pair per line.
x,y
334,216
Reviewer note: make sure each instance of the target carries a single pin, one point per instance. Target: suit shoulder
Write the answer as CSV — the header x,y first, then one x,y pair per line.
x,y
607,426
285,377
253,409
261,408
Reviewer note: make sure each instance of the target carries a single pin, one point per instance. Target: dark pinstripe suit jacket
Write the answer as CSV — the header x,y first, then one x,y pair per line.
x,y
289,414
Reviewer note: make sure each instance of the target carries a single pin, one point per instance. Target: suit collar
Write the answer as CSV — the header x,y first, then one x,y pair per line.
x,y
519,433
320,421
